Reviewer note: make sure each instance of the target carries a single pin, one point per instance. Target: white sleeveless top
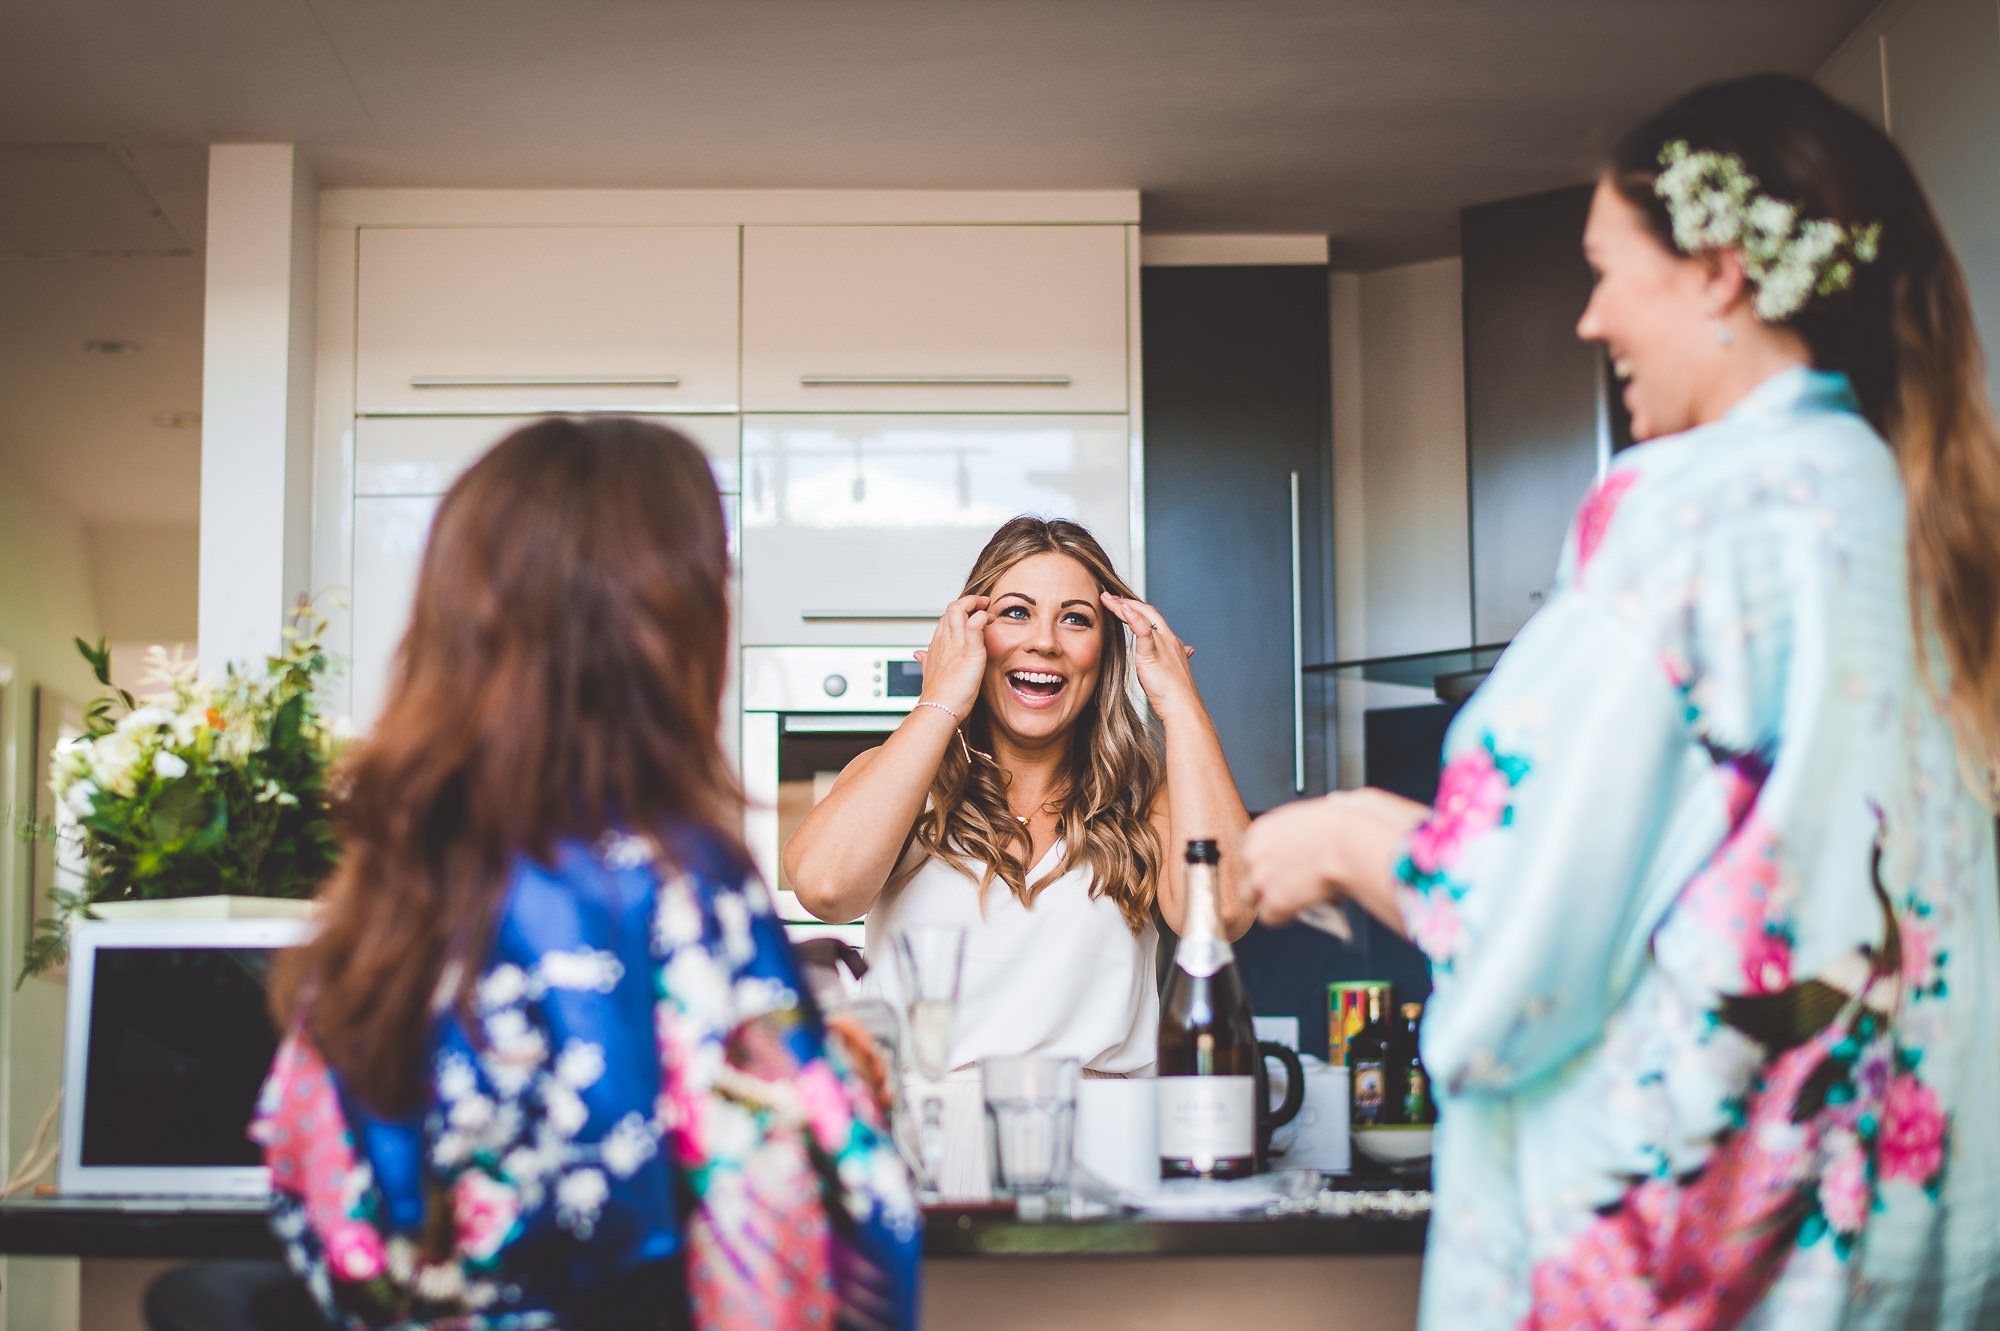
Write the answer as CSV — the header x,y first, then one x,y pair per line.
x,y
1068,978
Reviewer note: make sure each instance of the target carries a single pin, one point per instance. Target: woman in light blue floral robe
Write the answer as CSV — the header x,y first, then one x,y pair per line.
x,y
1709,887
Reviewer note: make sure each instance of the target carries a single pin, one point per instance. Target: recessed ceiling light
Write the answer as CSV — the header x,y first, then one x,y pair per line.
x,y
110,346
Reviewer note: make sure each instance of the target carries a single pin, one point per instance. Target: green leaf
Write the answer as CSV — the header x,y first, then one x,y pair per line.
x,y
99,658
179,811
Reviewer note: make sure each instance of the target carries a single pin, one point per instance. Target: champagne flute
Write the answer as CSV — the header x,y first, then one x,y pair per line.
x,y
928,960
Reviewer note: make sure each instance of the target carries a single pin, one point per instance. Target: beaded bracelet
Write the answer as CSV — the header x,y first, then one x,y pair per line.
x,y
964,748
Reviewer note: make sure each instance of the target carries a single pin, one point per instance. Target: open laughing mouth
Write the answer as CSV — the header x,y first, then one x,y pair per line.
x,y
1035,687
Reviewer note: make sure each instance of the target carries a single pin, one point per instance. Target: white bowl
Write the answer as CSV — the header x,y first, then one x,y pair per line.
x,y
1399,1145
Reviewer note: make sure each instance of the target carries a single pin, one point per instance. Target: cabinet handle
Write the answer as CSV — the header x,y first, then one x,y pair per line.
x,y
1298,654
934,381
845,723
836,616
545,381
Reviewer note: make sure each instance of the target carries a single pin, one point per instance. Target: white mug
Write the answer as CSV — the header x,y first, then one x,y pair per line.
x,y
1317,1138
1117,1132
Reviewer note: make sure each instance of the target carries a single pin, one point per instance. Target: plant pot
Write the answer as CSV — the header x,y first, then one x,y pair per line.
x,y
206,908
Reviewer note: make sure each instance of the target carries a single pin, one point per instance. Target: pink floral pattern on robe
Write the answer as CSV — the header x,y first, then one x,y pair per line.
x,y
1472,796
1593,517
1697,1044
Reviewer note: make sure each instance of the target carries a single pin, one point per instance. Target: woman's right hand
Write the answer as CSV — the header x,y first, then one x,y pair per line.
x,y
955,662
848,845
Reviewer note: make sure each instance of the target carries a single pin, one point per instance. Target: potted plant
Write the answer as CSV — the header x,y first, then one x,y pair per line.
x,y
208,788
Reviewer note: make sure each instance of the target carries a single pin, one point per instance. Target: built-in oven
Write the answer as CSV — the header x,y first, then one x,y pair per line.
x,y
807,713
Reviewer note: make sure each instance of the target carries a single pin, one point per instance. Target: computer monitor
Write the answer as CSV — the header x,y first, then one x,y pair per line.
x,y
167,1045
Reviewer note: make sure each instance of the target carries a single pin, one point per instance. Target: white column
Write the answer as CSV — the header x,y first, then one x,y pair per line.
x,y
256,397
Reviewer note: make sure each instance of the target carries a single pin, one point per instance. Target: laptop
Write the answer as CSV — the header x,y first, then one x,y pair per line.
x,y
167,1044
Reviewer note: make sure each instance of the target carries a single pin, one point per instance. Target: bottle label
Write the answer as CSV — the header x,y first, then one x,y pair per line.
x,y
1206,1119
1368,1088
1416,1097
1203,956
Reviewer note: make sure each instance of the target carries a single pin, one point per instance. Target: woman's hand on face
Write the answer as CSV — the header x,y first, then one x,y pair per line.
x,y
1160,658
955,662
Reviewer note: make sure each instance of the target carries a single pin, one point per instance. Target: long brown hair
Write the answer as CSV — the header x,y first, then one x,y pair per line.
x,y
1902,334
562,675
1112,773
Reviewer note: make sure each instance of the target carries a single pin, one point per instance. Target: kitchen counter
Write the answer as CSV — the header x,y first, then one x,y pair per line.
x,y
1349,1219
1347,1258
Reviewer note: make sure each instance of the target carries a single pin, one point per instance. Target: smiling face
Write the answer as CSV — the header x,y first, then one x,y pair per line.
x,y
1654,311
1044,647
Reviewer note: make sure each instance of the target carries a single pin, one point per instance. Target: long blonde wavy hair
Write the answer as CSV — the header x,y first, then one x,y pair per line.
x,y
1113,770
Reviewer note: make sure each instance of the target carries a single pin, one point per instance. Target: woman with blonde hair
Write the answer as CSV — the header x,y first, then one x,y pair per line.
x,y
1024,800
1709,888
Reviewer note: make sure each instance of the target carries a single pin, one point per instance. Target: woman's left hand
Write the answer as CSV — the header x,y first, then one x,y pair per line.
x,y
1160,658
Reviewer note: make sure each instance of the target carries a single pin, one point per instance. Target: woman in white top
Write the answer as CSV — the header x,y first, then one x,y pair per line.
x,y
1024,800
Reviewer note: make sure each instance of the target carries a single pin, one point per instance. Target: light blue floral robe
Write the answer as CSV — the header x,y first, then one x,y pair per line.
x,y
1713,918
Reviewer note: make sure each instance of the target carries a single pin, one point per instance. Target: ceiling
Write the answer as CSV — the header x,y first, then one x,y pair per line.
x,y
1369,121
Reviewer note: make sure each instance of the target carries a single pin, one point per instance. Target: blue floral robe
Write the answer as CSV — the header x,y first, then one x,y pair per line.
x,y
1713,917
648,1080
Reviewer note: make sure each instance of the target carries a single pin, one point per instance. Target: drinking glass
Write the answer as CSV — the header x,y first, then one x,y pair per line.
x,y
929,958
1030,1120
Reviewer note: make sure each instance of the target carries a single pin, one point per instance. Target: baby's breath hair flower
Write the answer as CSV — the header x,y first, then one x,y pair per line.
x,y
1714,203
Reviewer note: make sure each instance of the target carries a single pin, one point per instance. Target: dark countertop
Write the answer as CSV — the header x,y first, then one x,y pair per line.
x,y
952,1233
185,1230
127,1227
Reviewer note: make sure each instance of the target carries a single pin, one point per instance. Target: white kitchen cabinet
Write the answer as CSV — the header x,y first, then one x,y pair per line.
x,y
389,535
935,318
858,530
423,455
529,319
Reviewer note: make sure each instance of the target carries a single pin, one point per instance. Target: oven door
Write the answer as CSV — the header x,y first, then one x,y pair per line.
x,y
790,760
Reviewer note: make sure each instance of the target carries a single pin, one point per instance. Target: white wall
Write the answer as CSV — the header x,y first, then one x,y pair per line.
x,y
145,579
46,600
1402,562
257,357
1929,72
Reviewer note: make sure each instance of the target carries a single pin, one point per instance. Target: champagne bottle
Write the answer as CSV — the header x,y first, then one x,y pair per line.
x,y
1369,1064
1208,1048
1413,1084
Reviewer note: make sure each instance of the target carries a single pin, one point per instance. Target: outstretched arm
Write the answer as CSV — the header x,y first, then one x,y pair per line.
x,y
1343,845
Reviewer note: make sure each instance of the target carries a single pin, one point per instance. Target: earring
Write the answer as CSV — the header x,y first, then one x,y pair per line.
x,y
1723,334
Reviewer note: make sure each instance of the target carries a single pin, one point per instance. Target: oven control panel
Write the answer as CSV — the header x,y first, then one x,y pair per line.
x,y
830,679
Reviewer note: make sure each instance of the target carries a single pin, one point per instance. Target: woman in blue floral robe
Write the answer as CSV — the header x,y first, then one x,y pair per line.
x,y
1710,901
643,1076
549,1061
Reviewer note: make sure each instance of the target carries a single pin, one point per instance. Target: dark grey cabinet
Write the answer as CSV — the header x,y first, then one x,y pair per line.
x,y
1538,411
1237,405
